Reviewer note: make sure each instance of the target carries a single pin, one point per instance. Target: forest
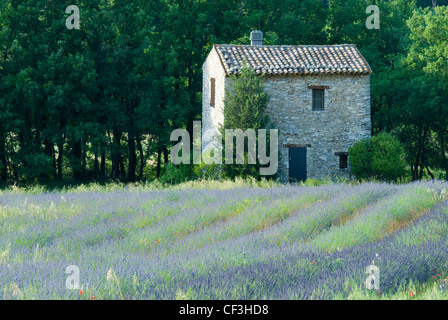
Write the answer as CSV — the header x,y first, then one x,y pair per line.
x,y
100,102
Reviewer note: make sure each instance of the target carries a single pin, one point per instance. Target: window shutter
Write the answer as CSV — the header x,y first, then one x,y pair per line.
x,y
212,92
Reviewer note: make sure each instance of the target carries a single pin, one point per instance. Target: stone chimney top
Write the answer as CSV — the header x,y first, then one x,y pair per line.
x,y
256,38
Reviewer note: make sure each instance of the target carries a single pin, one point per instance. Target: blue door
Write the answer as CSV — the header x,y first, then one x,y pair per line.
x,y
297,164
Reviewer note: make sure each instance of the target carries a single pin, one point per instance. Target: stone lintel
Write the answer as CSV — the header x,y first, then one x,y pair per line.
x,y
319,87
291,145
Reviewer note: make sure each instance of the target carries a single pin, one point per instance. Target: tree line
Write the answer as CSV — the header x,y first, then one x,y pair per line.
x,y
101,102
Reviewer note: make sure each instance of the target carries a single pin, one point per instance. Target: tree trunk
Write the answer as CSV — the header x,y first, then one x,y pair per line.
x,y
114,169
142,158
132,161
4,164
83,161
442,146
159,156
103,164
123,171
77,161
13,167
425,156
49,151
415,175
95,166
420,176
429,172
132,157
165,155
120,171
117,162
59,160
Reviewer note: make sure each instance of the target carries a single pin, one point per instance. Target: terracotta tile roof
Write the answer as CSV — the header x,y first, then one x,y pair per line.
x,y
278,60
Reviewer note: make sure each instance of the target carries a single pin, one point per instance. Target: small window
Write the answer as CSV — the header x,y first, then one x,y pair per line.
x,y
343,161
318,99
212,92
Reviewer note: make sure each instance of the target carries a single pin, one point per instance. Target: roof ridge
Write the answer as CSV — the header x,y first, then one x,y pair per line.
x,y
293,59
288,45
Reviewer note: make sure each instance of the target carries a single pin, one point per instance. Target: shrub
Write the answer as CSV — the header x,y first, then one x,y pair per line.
x,y
207,171
361,159
37,165
175,174
381,157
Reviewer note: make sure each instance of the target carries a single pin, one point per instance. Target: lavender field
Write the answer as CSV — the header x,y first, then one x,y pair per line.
x,y
211,240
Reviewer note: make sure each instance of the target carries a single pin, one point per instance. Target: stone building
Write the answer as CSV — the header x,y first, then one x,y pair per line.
x,y
320,101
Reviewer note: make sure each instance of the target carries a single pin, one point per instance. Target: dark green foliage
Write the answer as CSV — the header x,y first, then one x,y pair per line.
x,y
381,157
411,96
361,159
176,174
100,102
245,103
207,171
388,157
244,108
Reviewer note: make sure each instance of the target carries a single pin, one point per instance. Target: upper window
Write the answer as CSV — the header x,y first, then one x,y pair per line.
x,y
318,96
318,99
212,92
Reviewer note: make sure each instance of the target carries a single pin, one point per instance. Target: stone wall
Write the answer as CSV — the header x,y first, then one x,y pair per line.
x,y
212,117
344,121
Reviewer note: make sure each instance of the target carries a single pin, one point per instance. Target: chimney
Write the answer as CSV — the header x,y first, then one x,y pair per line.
x,y
256,38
